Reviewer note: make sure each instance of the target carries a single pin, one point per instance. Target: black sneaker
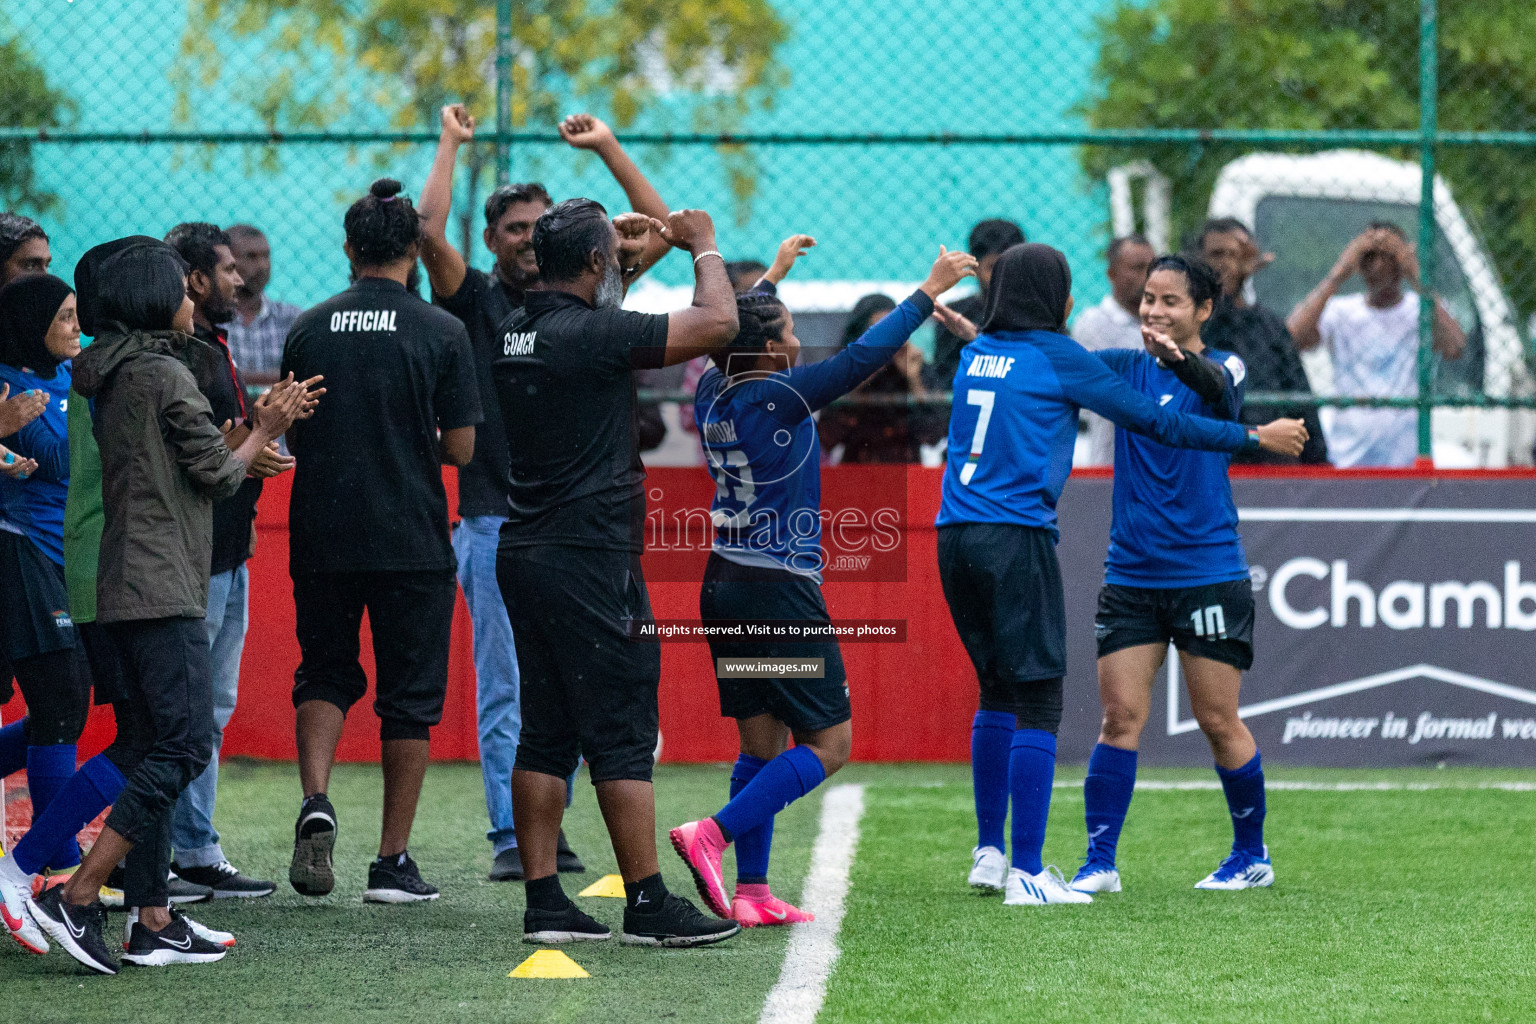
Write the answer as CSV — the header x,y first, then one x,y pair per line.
x,y
176,943
566,861
677,924
508,866
392,882
568,925
314,837
184,891
77,929
225,881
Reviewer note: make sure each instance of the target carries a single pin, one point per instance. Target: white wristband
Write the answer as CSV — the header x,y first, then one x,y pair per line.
x,y
707,252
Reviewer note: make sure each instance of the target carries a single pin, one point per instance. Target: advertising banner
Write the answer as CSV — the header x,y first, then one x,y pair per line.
x,y
1395,622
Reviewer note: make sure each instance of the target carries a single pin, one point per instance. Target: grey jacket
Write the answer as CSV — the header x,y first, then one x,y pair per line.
x,y
163,463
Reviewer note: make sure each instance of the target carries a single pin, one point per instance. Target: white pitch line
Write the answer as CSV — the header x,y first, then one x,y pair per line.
x,y
797,996
1325,787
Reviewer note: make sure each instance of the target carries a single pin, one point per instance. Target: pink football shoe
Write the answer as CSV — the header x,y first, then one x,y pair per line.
x,y
700,844
754,905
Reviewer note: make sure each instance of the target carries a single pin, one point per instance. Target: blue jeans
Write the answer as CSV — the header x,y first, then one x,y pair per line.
x,y
497,708
193,836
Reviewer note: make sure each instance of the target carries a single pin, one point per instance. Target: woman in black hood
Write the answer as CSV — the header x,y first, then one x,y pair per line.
x,y
1031,291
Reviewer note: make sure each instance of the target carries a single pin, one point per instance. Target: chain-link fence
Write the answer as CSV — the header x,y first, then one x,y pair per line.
x,y
883,127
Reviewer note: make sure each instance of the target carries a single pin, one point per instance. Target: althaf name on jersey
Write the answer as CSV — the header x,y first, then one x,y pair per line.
x,y
351,320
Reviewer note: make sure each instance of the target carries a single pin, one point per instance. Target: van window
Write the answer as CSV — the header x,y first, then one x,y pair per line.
x,y
1306,234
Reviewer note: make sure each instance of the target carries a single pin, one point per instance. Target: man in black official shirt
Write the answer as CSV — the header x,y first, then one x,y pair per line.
x,y
483,300
368,528
569,563
211,282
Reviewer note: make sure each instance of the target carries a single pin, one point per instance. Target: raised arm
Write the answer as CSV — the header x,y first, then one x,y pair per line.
x,y
583,131
445,264
710,322
1302,323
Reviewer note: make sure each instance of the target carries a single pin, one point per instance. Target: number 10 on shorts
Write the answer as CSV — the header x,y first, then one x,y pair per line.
x,y
1210,622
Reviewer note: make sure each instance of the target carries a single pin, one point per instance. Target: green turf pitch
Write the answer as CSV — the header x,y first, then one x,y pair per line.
x,y
1388,906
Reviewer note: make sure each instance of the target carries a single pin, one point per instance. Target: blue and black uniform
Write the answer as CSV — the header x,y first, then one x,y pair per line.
x,y
1176,570
761,447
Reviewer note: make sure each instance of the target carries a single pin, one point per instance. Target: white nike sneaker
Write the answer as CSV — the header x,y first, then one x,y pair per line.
x,y
1026,890
1093,877
989,868
15,890
1240,871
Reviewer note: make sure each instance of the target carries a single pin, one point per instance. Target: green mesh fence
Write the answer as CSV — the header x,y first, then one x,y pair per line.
x,y
883,127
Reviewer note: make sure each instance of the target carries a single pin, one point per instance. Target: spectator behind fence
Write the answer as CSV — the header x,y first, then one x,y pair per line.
x,y
885,433
989,238
1373,337
1114,323
258,324
1258,336
745,274
23,248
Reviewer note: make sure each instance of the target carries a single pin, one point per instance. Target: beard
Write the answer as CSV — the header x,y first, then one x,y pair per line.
x,y
610,290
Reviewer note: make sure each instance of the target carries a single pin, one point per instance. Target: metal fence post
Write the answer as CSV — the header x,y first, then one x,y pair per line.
x,y
503,91
1429,85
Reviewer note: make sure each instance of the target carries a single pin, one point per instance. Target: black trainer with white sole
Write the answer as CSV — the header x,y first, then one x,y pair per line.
x,y
184,890
78,929
552,927
397,881
314,838
176,943
225,881
678,924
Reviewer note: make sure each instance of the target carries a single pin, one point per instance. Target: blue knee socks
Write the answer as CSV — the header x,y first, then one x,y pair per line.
x,y
85,795
991,737
777,784
753,845
48,769
1107,796
1031,770
13,748
1245,800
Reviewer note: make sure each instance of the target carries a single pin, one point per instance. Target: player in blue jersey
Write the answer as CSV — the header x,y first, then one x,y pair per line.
x,y
754,411
1017,394
1175,573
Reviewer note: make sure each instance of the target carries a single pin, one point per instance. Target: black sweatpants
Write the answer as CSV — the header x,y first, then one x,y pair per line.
x,y
168,692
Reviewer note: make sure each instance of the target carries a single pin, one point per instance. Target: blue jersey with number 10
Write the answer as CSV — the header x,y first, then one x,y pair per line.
x,y
1013,425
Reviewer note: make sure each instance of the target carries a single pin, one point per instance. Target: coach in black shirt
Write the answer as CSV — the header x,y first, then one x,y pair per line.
x,y
368,528
569,563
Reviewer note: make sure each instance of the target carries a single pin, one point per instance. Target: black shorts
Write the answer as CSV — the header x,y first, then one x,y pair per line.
x,y
1003,587
733,593
1214,621
34,604
588,682
411,617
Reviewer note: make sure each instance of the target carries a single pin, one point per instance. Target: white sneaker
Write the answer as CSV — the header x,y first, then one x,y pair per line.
x,y
1096,878
989,868
1240,871
1026,890
202,931
15,890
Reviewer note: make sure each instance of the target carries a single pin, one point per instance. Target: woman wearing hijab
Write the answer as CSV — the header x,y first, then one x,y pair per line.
x,y
39,335
1013,426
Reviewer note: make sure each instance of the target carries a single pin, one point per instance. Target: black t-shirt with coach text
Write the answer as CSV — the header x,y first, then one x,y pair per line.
x,y
563,377
482,302
368,487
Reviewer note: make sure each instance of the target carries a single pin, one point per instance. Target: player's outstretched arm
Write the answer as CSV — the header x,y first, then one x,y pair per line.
x,y
584,131
1197,372
790,250
819,384
710,322
445,264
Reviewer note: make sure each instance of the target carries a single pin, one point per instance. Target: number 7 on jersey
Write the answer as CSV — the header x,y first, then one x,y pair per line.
x,y
985,400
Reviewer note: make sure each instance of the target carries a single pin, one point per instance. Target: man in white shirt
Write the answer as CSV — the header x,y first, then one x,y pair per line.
x,y
1114,323
1373,338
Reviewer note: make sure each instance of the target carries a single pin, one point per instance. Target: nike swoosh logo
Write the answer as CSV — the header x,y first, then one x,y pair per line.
x,y
184,944
13,923
1240,815
777,915
78,933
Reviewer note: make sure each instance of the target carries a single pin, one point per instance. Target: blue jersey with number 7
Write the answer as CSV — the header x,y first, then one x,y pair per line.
x,y
1013,425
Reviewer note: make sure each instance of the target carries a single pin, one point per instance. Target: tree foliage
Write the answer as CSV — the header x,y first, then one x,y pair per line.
x,y
26,101
1327,64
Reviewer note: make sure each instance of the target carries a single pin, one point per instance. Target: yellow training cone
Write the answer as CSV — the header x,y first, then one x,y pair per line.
x,y
548,963
608,885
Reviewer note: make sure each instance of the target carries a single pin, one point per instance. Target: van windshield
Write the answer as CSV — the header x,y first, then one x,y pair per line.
x,y
1306,234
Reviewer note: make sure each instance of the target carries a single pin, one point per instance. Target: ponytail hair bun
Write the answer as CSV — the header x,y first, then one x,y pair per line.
x,y
385,189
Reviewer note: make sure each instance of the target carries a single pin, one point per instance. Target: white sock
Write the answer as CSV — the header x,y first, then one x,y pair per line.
x,y
12,872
